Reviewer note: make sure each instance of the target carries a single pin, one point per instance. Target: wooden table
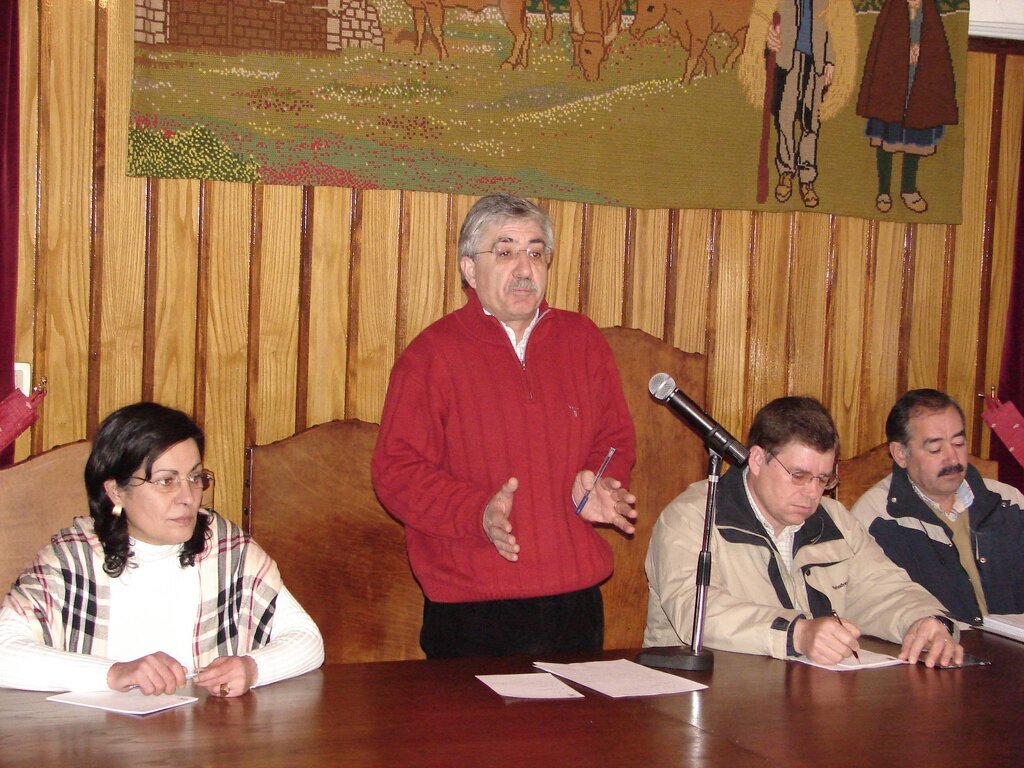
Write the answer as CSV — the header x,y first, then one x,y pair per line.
x,y
756,712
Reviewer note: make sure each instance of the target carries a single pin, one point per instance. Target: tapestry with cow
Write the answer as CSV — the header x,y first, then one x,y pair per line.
x,y
851,107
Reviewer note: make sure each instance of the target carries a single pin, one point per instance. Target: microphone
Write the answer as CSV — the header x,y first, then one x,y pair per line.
x,y
715,437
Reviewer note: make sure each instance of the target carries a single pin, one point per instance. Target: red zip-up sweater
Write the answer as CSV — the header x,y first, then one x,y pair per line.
x,y
463,415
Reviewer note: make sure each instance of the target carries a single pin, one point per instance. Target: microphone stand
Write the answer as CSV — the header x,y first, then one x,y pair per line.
x,y
694,657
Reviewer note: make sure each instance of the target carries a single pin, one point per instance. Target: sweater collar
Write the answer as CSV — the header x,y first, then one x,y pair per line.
x,y
486,327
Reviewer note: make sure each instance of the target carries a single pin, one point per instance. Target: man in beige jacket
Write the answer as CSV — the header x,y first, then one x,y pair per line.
x,y
786,562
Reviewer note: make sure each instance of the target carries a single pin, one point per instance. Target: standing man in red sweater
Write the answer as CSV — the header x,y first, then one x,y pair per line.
x,y
496,420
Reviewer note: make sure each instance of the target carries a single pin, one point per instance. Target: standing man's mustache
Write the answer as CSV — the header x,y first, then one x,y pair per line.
x,y
521,284
953,469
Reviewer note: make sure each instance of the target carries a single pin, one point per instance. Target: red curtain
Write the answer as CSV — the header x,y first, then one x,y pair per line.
x,y
1011,377
8,197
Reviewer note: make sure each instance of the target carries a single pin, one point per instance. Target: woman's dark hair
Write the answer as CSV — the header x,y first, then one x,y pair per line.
x,y
132,437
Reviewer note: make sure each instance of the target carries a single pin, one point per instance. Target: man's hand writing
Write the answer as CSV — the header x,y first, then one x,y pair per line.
x,y
608,502
825,640
497,526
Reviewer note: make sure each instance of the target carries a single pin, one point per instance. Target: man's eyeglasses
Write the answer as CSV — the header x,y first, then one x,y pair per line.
x,y
536,255
803,477
197,481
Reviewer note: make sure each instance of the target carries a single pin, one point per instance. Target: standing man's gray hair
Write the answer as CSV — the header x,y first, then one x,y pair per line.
x,y
495,208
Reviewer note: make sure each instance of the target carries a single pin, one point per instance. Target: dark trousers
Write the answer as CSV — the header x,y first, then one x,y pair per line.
x,y
573,622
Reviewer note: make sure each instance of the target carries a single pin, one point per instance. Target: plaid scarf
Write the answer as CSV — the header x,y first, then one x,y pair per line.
x,y
68,593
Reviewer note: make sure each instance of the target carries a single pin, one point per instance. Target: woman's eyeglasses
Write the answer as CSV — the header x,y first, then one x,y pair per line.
x,y
197,481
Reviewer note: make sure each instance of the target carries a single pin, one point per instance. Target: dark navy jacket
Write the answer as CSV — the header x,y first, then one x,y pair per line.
x,y
920,541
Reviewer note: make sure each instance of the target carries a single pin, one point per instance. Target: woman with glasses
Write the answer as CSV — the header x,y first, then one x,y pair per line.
x,y
152,588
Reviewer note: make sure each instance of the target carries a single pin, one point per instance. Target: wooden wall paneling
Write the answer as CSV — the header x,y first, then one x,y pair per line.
x,y
225,252
564,275
175,256
770,253
454,294
328,305
374,295
425,263
926,340
810,290
273,392
28,117
65,192
730,377
119,239
968,255
692,274
649,267
1004,224
606,249
882,357
848,328
719,291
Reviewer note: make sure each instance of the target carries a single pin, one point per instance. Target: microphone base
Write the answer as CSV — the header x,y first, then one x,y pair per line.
x,y
677,657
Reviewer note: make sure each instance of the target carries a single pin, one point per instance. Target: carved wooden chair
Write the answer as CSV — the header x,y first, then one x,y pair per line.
x,y
670,457
858,473
310,504
38,497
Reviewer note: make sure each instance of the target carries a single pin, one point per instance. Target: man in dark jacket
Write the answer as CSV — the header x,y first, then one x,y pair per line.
x,y
957,534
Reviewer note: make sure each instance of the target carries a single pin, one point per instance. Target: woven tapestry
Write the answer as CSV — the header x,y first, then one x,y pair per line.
x,y
853,108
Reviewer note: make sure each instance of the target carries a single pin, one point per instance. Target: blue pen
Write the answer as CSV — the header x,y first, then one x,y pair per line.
x,y
600,471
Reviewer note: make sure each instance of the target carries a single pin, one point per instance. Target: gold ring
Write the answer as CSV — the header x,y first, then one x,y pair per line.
x,y
225,689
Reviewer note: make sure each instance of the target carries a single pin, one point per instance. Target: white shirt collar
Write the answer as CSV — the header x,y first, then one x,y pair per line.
x,y
784,539
518,346
962,502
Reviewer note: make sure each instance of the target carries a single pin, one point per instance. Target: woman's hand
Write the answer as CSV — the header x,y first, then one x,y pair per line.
x,y
153,674
228,676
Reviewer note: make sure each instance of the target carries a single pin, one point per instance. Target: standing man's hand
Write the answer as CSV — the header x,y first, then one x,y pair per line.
x,y
497,526
608,502
774,40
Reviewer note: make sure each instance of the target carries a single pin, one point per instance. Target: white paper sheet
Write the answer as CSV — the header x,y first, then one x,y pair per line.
x,y
131,703
1006,624
868,660
532,685
621,677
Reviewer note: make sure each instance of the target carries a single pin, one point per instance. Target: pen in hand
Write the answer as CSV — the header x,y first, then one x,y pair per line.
x,y
840,623
188,676
600,471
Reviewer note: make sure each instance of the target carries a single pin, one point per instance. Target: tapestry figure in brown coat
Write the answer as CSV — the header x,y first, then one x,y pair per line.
x,y
907,93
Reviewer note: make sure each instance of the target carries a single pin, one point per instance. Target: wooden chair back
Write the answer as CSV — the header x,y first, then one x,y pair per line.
x,y
858,473
310,504
38,497
669,457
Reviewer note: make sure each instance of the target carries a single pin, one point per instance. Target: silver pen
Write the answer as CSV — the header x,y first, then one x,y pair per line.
x,y
600,471
188,676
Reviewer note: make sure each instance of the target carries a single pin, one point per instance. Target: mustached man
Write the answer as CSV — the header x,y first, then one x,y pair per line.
x,y
955,533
